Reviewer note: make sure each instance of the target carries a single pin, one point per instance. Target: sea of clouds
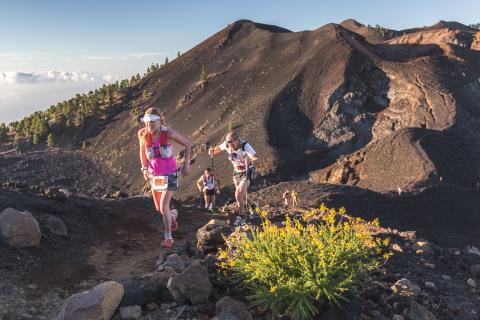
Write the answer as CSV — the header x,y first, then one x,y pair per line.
x,y
52,76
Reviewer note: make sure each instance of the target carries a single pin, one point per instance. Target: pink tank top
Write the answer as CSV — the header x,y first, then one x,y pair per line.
x,y
159,166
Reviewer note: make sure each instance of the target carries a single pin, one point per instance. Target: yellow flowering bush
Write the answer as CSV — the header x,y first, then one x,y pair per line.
x,y
293,269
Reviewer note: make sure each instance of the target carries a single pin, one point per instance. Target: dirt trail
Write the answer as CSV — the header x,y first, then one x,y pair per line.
x,y
108,240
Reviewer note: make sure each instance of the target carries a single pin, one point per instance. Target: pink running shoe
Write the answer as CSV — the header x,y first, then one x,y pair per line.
x,y
167,243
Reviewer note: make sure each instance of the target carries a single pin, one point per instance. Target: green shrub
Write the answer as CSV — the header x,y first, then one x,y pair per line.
x,y
295,269
203,74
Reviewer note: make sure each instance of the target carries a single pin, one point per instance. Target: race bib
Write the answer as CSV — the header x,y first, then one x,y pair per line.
x,y
159,183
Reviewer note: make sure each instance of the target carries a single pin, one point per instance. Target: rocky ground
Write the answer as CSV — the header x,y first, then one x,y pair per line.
x,y
73,171
105,239
118,240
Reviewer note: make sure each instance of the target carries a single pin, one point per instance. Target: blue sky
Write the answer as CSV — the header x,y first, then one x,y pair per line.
x,y
89,42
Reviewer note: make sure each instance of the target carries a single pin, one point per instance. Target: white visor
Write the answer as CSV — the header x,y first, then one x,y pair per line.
x,y
150,117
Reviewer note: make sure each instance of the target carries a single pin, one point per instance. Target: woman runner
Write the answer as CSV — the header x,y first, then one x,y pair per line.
x,y
159,166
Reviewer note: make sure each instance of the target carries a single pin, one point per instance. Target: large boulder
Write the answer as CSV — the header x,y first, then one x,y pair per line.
x,y
192,284
211,236
19,229
143,291
53,224
130,313
163,276
419,312
174,261
406,288
98,303
231,309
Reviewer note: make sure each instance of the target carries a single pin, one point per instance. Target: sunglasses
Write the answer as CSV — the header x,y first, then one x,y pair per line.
x,y
231,141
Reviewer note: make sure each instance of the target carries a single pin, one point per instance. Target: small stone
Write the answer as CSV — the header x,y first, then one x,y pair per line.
x,y
397,317
475,270
423,246
152,306
472,283
457,252
430,285
130,312
446,277
419,312
175,262
32,287
53,224
396,247
429,265
229,308
399,306
167,305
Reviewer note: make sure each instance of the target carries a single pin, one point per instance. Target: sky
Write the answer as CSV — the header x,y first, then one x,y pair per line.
x,y
50,50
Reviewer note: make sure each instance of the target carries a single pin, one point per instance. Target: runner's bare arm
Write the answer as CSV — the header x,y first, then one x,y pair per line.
x,y
177,137
199,183
143,156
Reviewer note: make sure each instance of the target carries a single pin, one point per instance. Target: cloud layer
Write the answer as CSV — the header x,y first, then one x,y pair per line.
x,y
52,76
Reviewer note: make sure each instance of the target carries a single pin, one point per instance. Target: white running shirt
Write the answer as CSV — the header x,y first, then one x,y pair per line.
x,y
237,157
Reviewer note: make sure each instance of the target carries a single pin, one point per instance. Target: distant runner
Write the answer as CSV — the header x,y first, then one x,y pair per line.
x,y
286,198
294,198
160,168
208,184
242,155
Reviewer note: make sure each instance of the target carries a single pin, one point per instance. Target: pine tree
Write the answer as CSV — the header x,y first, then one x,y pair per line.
x,y
178,54
50,140
36,139
134,112
166,61
17,138
3,133
203,74
145,95
110,98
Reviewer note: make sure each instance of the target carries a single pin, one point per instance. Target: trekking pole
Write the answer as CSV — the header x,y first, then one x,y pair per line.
x,y
211,157
208,145
247,214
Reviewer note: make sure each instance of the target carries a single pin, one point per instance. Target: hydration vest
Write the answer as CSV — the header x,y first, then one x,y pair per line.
x,y
164,150
233,157
209,183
